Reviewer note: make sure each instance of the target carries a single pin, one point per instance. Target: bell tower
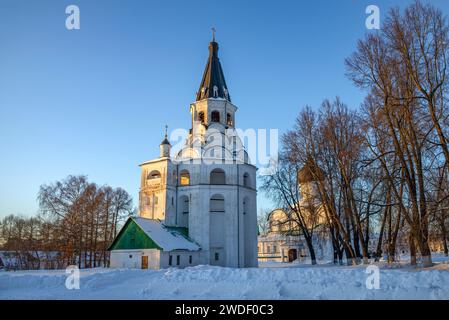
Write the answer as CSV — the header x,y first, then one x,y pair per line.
x,y
213,107
208,188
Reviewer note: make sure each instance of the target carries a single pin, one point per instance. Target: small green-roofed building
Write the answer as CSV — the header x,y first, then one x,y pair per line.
x,y
149,244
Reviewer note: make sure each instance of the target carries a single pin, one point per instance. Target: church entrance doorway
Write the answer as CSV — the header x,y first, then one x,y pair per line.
x,y
144,262
292,255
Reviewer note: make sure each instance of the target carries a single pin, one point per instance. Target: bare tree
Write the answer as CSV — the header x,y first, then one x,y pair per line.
x,y
262,221
403,67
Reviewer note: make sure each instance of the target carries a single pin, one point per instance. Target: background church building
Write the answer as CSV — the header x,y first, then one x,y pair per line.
x,y
199,205
284,241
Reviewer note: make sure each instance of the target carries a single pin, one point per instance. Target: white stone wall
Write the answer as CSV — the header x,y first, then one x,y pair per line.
x,y
184,258
132,258
239,221
163,189
237,225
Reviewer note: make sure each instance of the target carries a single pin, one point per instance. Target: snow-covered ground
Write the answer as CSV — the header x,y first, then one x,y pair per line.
x,y
269,281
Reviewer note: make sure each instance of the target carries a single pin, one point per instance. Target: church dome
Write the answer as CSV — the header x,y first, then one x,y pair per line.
x,y
310,172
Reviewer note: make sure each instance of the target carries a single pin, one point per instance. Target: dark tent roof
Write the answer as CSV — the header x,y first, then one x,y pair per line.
x,y
213,84
165,141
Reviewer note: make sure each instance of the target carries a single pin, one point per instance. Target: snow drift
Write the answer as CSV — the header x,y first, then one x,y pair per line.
x,y
271,281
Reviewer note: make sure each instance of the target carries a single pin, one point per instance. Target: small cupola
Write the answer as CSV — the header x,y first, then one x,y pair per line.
x,y
165,146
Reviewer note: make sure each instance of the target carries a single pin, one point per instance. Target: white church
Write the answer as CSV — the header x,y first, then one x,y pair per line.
x,y
197,205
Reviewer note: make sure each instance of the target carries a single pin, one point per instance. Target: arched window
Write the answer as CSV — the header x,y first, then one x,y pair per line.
x,y
217,203
217,176
201,117
154,175
184,178
229,119
246,181
215,116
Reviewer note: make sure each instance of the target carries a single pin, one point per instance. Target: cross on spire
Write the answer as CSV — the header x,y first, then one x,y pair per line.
x,y
213,84
165,141
213,33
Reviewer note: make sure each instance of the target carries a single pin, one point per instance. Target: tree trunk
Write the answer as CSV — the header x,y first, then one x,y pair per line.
x,y
425,253
445,246
311,249
412,249
444,238
340,257
382,228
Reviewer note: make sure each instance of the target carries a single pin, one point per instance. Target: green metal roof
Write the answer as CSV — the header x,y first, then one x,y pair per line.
x,y
131,236
143,233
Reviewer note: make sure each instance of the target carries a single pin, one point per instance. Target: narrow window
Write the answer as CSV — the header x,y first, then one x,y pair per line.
x,y
245,205
201,117
178,259
215,91
229,119
246,182
217,256
170,260
190,259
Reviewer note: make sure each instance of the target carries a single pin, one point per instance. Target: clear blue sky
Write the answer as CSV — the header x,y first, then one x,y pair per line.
x,y
94,101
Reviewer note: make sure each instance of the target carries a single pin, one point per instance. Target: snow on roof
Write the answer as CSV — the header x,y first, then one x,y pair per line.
x,y
168,239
